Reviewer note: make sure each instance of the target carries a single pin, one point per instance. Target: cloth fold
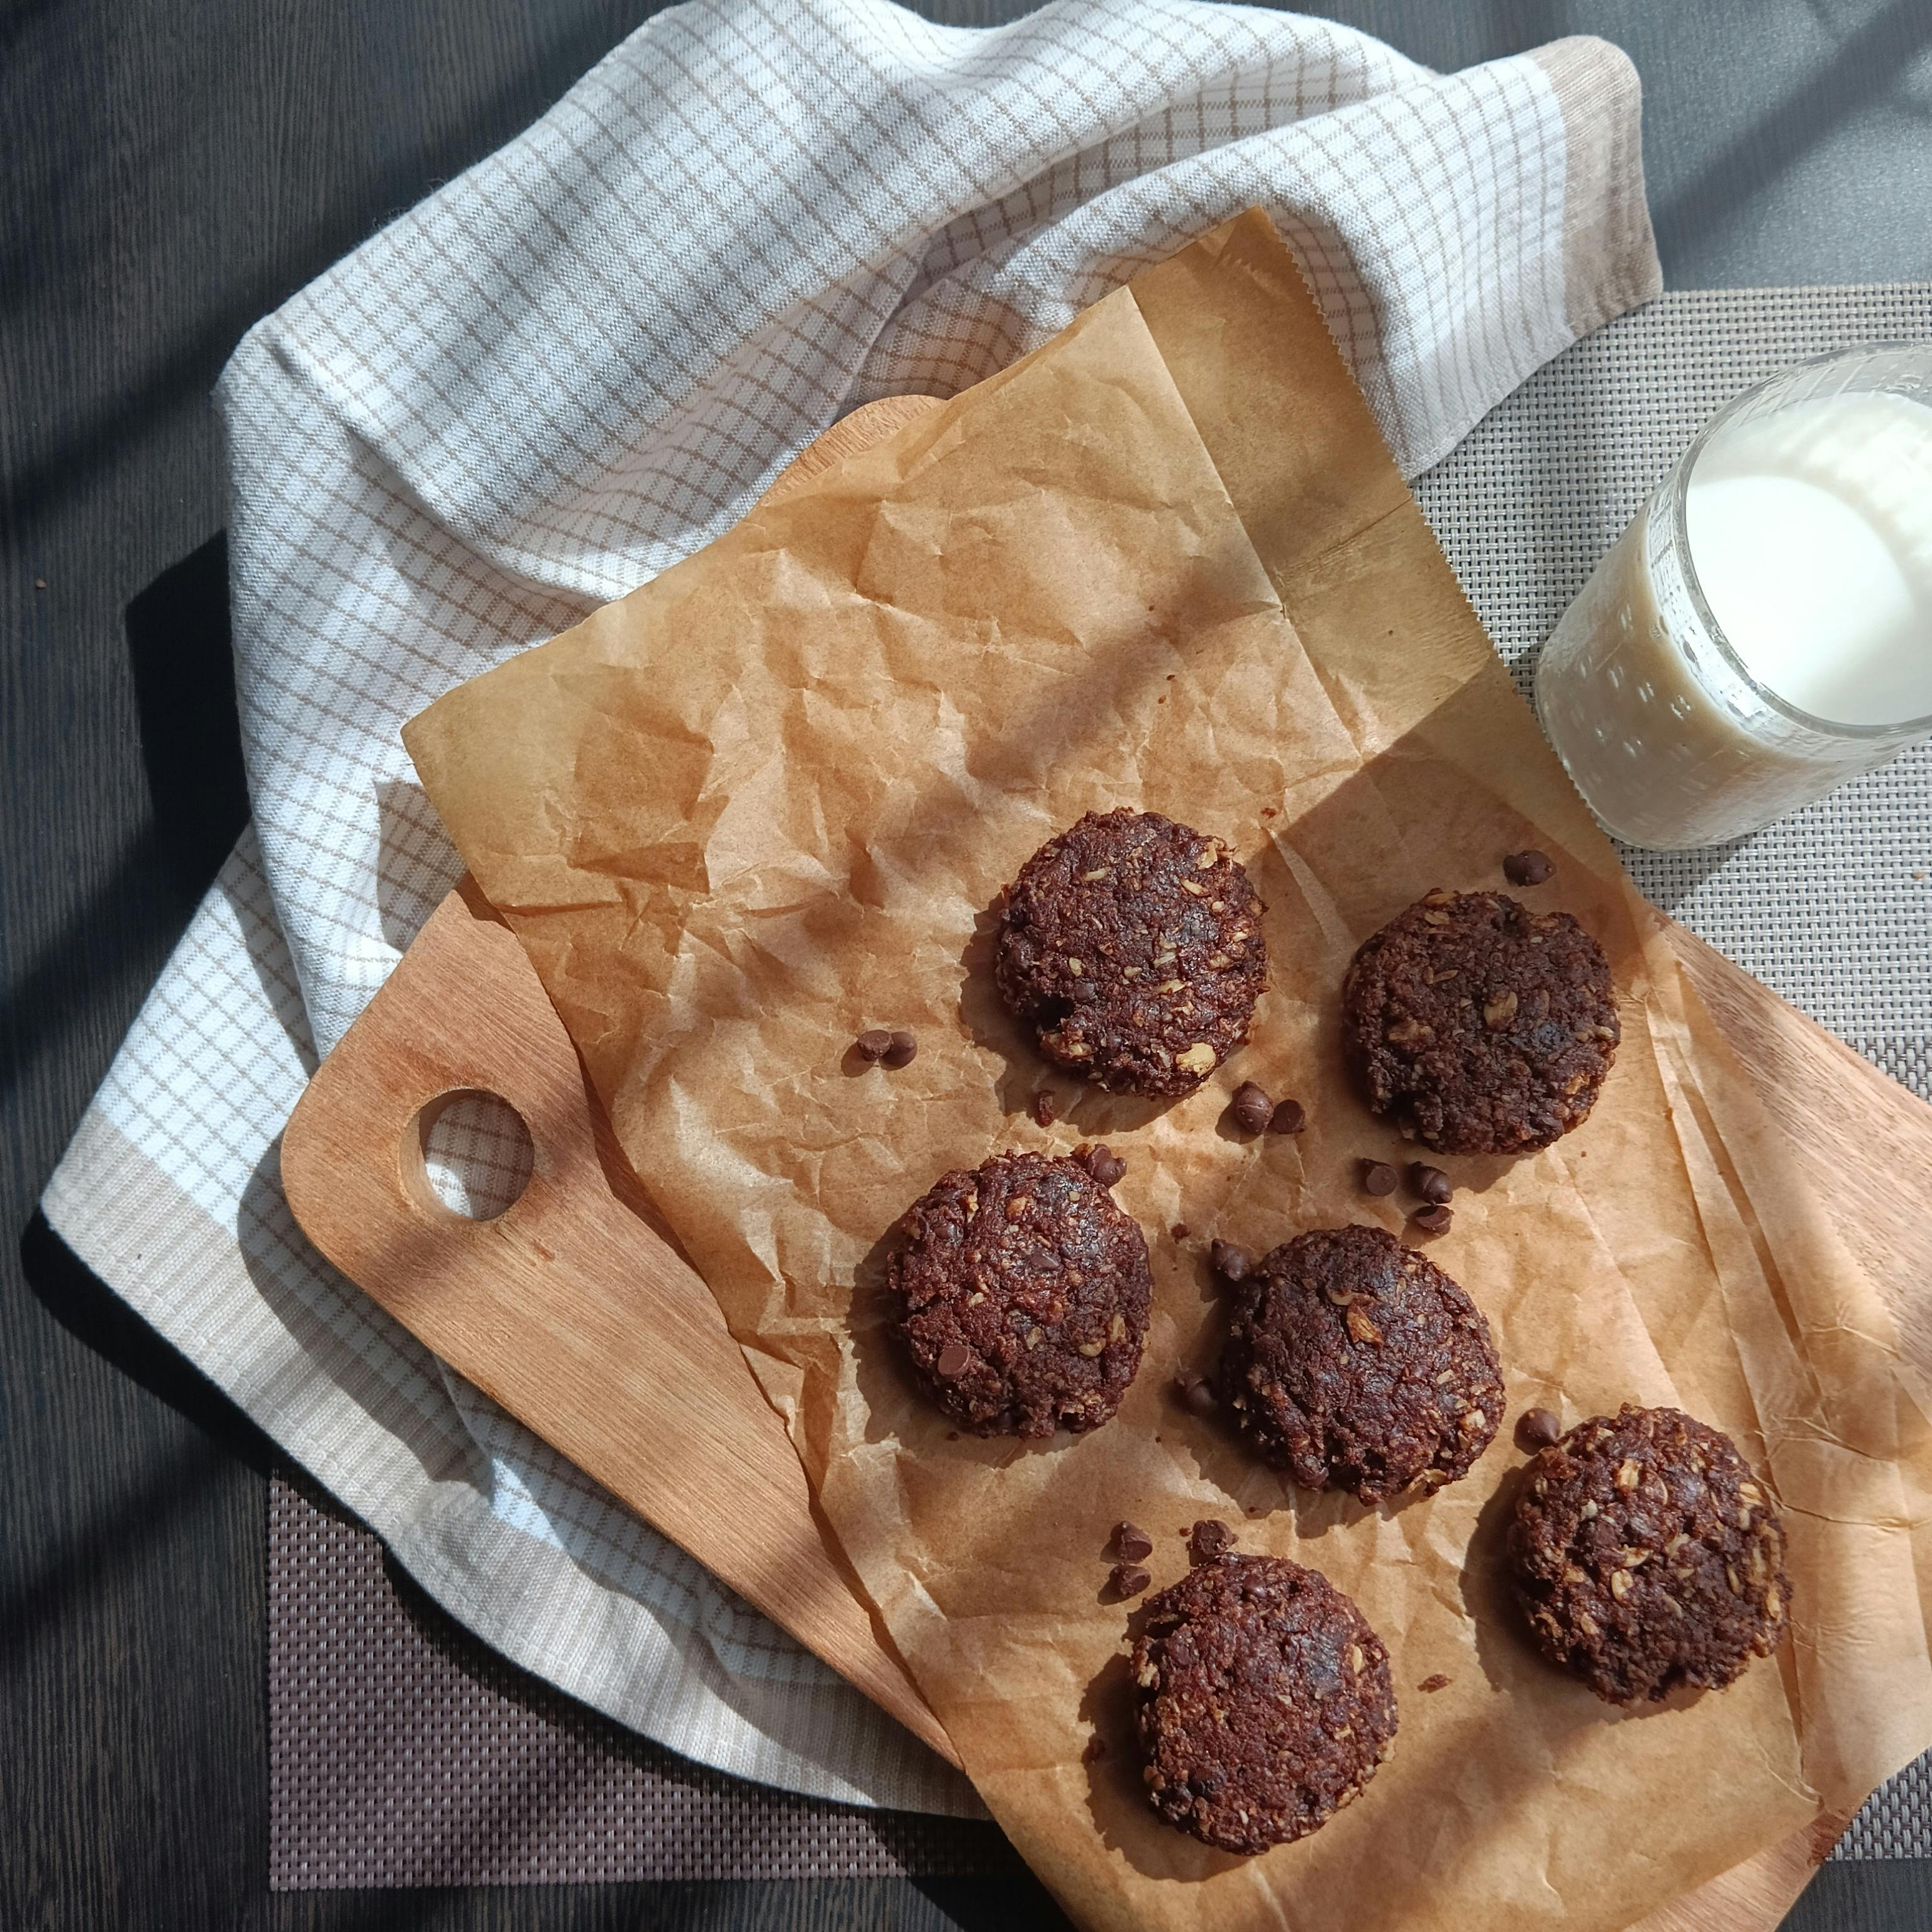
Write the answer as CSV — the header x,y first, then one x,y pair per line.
x,y
572,366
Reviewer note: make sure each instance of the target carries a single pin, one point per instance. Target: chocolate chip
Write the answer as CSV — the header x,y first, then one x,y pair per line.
x,y
1431,1182
874,1043
1045,1108
1131,1542
1438,1682
954,1359
1196,1392
1095,1750
1181,1230
901,1049
1537,1428
1290,1117
1208,1539
1231,1262
1433,1220
1102,1162
1251,1108
1128,1580
1527,869
1379,1177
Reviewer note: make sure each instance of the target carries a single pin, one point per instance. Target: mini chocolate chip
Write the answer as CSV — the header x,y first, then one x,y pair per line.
x,y
1431,1182
1095,1750
874,1043
1196,1393
1290,1117
1102,1162
1537,1428
1045,1108
1128,1580
1527,869
1438,1682
903,1047
1231,1262
1131,1542
1251,1108
954,1359
1181,1230
1433,1220
1208,1539
1379,1177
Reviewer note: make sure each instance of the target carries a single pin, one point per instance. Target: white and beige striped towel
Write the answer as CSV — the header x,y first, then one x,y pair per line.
x,y
571,367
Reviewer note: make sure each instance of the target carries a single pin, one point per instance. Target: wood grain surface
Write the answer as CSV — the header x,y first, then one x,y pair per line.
x,y
174,170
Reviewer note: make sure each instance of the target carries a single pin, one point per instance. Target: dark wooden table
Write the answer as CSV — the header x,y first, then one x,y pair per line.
x,y
172,169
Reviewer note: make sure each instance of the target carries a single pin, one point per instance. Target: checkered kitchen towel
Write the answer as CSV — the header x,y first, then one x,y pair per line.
x,y
571,368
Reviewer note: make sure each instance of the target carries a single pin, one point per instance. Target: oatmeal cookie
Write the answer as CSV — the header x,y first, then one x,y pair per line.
x,y
1132,947
1647,1555
1264,1703
1021,1293
1353,1363
1479,1026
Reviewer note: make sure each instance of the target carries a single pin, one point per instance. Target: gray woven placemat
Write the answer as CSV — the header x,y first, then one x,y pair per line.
x,y
401,1753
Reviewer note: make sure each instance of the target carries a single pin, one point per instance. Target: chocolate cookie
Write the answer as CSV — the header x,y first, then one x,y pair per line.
x,y
1022,1294
1264,1703
1647,1555
1355,1363
1479,1026
1132,946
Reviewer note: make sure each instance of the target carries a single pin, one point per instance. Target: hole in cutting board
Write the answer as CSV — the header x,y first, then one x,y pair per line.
x,y
476,1153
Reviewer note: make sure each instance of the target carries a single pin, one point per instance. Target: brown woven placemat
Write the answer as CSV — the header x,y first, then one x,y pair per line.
x,y
402,1752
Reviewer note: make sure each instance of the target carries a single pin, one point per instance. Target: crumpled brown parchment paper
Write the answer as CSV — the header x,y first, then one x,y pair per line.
x,y
769,799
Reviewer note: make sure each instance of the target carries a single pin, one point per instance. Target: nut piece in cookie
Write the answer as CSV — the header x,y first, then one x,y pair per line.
x,y
1263,1701
1021,1293
1355,1363
1132,947
1479,1026
1647,1555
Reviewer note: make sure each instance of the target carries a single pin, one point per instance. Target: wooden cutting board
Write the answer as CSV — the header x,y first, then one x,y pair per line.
x,y
575,1311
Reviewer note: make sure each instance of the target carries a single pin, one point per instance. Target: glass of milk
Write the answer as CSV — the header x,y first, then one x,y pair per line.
x,y
1762,631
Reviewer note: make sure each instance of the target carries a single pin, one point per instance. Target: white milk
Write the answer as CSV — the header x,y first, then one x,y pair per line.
x,y
1810,535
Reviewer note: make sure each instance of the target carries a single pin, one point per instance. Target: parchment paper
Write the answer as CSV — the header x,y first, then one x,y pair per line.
x,y
770,800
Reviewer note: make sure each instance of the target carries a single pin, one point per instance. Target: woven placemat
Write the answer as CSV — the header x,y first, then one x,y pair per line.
x,y
403,1752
